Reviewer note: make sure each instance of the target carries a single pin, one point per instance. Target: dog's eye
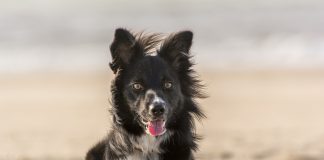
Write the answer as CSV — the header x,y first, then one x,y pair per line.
x,y
137,86
167,85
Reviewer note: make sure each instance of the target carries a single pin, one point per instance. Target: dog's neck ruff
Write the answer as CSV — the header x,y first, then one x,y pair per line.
x,y
147,146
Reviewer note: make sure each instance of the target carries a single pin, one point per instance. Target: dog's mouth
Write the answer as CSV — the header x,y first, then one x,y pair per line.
x,y
155,127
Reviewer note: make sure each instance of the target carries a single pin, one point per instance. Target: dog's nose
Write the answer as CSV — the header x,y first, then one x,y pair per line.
x,y
158,109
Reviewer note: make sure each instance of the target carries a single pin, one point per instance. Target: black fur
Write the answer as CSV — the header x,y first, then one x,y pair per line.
x,y
133,64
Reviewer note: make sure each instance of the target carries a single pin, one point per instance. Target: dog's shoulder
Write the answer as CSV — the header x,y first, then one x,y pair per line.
x,y
97,152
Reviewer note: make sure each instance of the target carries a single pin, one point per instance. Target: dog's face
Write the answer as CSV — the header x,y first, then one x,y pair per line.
x,y
152,91
151,85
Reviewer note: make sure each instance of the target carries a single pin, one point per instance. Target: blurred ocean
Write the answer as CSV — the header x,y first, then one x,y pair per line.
x,y
38,35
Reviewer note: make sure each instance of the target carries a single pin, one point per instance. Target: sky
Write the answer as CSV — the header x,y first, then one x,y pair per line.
x,y
57,35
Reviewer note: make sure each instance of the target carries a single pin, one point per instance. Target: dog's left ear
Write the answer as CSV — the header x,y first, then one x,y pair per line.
x,y
175,49
123,49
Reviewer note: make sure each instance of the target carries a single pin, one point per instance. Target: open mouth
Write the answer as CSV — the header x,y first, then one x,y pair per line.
x,y
155,127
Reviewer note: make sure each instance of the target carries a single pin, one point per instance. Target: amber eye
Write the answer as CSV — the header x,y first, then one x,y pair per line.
x,y
167,85
137,86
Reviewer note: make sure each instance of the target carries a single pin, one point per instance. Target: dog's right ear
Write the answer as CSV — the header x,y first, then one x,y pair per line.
x,y
175,49
122,49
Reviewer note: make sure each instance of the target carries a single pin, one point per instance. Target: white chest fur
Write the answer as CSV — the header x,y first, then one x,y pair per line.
x,y
147,147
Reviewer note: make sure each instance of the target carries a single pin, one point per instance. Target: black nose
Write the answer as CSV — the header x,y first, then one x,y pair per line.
x,y
158,109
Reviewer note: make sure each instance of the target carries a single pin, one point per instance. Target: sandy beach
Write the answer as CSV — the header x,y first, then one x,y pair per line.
x,y
262,63
275,115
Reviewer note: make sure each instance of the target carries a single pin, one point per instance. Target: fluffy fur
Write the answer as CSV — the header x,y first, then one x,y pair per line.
x,y
154,85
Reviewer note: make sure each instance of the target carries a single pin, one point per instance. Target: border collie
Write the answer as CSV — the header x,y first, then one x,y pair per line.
x,y
153,99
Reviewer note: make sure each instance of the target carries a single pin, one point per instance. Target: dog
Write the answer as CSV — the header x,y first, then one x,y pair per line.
x,y
153,99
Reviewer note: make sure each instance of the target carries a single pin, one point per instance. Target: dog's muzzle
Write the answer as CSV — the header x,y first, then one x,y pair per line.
x,y
157,110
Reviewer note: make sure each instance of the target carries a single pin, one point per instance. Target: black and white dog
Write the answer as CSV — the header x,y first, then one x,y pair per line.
x,y
153,99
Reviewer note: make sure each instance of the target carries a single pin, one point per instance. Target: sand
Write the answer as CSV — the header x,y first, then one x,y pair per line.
x,y
252,115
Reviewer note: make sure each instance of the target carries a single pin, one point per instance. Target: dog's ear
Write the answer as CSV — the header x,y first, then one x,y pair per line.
x,y
123,48
175,49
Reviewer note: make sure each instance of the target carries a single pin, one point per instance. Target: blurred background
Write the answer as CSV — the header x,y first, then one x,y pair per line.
x,y
262,63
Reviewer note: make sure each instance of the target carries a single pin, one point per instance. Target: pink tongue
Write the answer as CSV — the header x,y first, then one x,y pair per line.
x,y
156,128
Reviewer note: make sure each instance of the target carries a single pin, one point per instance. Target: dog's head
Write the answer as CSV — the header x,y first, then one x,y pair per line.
x,y
151,88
